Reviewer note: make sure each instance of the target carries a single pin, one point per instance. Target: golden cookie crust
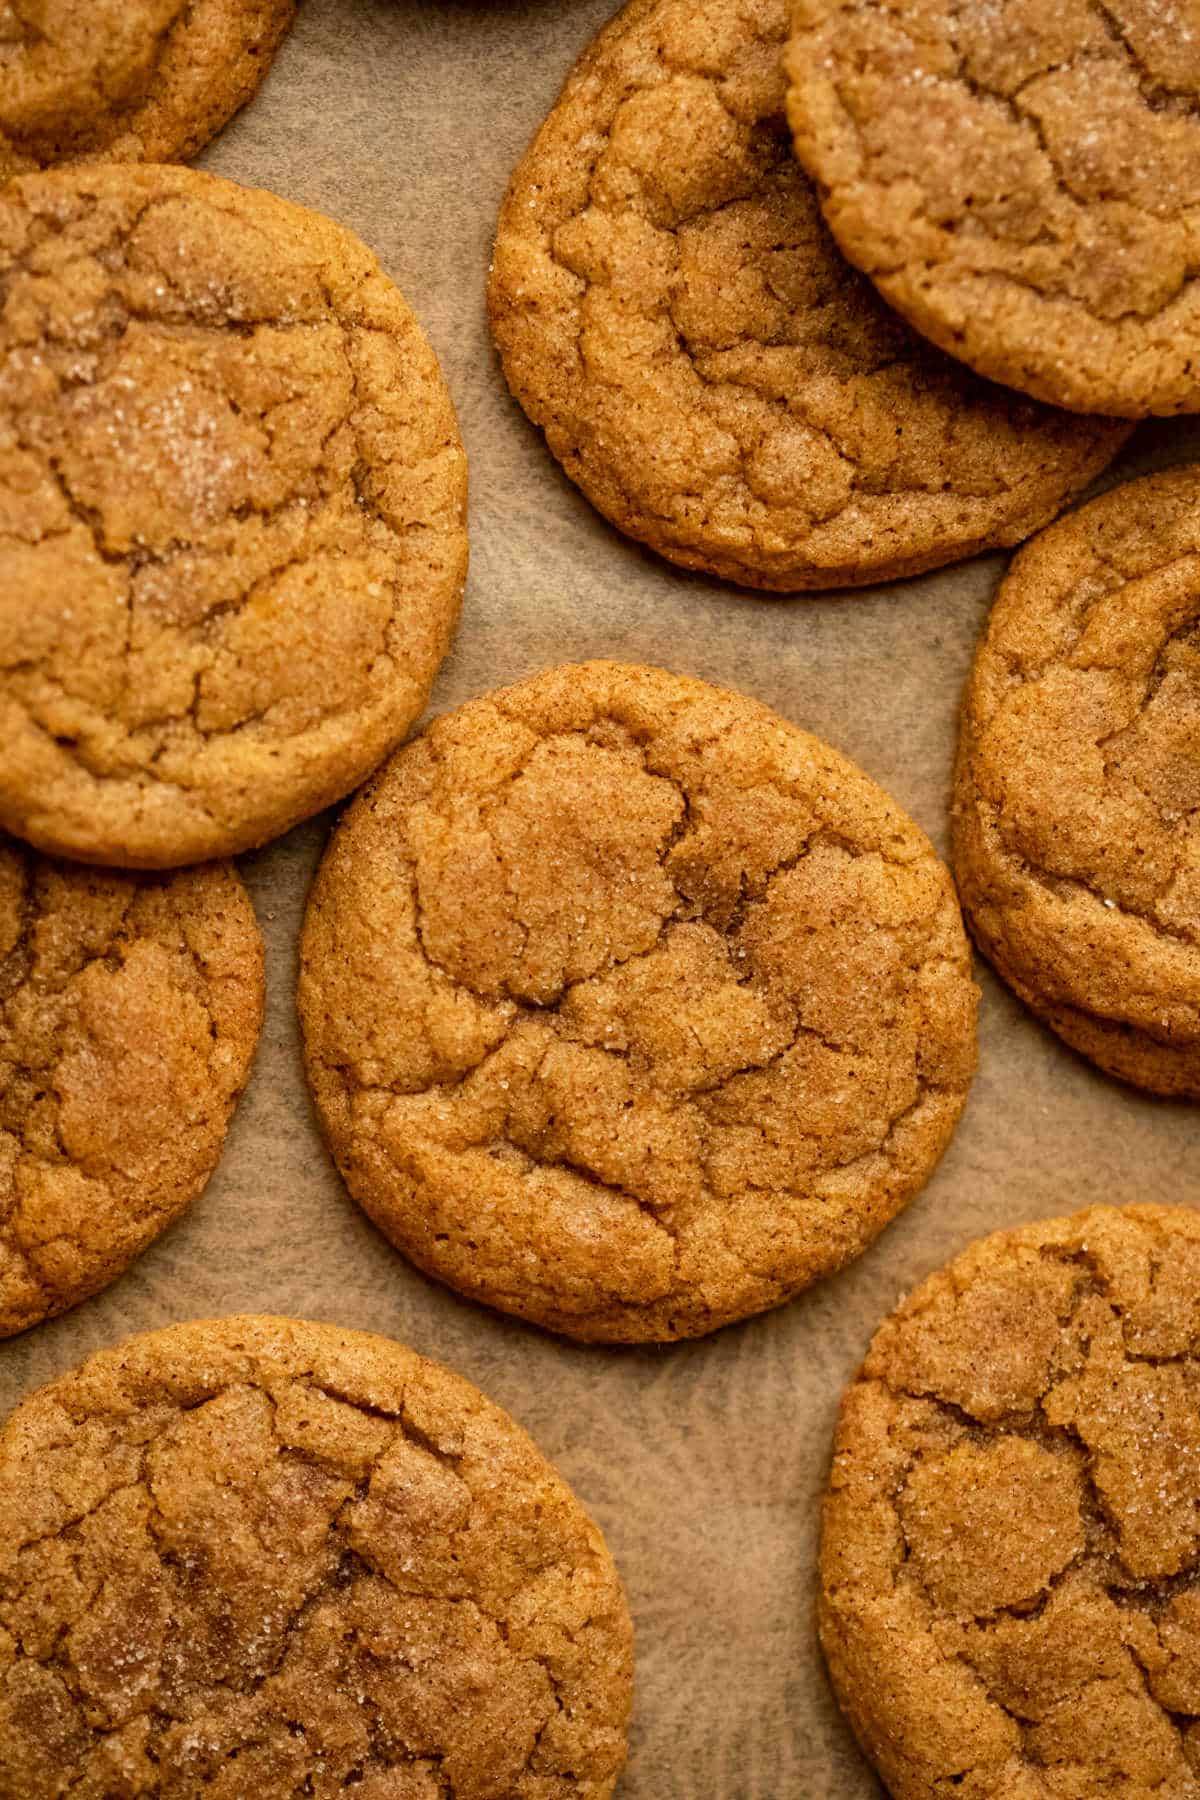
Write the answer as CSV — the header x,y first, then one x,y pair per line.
x,y
259,1557
630,1008
127,80
232,515
1021,180
1077,795
1008,1600
130,1008
670,308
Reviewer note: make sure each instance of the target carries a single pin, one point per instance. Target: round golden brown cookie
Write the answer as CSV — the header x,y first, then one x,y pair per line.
x,y
130,1008
670,308
1009,1602
127,80
1021,179
258,1557
1077,810
232,515
629,1007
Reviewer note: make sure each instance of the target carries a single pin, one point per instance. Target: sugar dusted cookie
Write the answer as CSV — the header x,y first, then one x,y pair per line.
x,y
253,1556
631,1008
130,1008
1021,179
127,80
1077,810
1008,1601
232,515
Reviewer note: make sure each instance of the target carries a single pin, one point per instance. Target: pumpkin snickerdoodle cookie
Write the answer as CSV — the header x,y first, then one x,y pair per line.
x,y
670,308
630,1008
1077,810
1008,1580
127,80
1021,180
258,1557
130,1007
232,515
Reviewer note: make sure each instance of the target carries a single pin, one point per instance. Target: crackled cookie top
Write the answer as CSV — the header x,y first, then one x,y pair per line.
x,y
257,1557
1077,832
671,309
129,1011
1010,1567
232,539
1021,179
629,1007
127,80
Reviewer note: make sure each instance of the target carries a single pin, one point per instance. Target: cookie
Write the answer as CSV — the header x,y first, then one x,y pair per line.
x,y
130,1007
1020,180
630,1008
1008,1598
257,1557
670,308
232,515
127,80
1077,809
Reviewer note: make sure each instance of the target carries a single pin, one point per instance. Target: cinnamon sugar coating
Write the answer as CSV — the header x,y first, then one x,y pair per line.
x,y
631,1008
232,515
254,1556
1009,1560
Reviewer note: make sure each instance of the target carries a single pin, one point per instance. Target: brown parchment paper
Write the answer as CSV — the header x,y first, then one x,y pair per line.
x,y
703,1463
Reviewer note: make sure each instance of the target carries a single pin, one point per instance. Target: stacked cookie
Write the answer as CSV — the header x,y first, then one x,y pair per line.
x,y
630,1009
670,307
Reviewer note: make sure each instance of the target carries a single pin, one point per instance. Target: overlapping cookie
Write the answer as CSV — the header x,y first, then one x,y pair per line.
x,y
1021,179
671,310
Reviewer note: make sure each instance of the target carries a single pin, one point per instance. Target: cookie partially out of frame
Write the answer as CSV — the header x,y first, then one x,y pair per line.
x,y
232,515
670,308
629,1007
1008,1579
258,1557
130,1007
1021,179
1077,811
127,80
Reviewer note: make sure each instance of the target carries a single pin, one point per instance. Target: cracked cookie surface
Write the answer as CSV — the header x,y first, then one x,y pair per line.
x,y
1009,1597
670,308
130,1008
232,515
630,1008
127,80
1077,804
1021,181
254,1556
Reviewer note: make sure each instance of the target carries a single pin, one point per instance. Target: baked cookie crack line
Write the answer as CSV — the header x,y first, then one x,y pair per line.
x,y
1079,1564
1152,86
